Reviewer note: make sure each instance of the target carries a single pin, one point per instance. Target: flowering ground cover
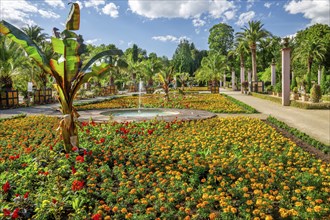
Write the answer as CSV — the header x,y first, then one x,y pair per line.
x,y
209,102
219,168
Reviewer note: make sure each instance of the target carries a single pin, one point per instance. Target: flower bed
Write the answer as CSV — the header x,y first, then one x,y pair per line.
x,y
210,102
216,168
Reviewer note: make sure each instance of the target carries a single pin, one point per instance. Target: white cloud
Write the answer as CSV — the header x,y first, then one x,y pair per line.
x,y
179,9
197,22
94,3
229,15
19,13
245,18
111,9
170,38
92,41
48,14
315,10
268,4
55,3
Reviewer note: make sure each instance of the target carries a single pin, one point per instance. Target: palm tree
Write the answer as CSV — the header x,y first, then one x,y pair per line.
x,y
252,34
165,77
212,68
311,50
35,34
149,68
11,58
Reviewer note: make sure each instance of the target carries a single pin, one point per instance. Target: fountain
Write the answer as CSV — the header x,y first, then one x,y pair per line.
x,y
140,91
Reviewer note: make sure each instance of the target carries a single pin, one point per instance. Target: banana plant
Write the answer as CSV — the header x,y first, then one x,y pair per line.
x,y
65,67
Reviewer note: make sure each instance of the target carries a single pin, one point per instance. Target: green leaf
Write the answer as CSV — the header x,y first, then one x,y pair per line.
x,y
73,20
26,43
98,56
58,45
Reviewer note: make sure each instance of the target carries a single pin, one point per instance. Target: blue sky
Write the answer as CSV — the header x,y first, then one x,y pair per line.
x,y
158,26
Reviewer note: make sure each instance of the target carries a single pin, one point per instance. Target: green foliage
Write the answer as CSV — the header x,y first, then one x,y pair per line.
x,y
294,83
325,83
316,93
308,105
266,75
249,109
270,88
182,58
267,97
295,90
221,38
323,147
278,87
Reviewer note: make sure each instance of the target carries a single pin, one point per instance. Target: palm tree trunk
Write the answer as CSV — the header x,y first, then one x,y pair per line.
x,y
69,130
254,63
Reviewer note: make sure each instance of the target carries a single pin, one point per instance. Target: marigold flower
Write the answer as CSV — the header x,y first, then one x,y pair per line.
x,y
317,208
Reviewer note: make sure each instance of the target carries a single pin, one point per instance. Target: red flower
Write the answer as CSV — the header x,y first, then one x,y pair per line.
x,y
77,185
6,187
102,140
54,201
26,195
67,156
80,159
6,212
74,148
73,170
85,152
15,213
46,173
84,123
150,131
97,217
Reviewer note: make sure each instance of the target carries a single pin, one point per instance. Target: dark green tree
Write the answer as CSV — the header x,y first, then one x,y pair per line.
x,y
182,58
221,38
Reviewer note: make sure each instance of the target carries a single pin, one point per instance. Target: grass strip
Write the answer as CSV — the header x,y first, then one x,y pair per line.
x,y
249,109
301,135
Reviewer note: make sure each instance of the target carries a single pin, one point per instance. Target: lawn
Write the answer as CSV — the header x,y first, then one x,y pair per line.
x,y
217,103
216,168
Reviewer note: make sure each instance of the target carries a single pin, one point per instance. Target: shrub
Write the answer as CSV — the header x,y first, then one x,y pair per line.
x,y
270,88
316,93
295,90
278,87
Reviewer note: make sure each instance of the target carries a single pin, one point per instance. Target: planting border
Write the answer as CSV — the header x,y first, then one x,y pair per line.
x,y
249,109
300,135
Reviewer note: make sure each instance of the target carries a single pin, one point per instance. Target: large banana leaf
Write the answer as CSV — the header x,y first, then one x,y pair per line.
x,y
73,21
28,45
68,49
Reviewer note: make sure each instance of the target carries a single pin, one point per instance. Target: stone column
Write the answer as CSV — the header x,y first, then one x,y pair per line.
x,y
286,76
233,86
224,81
273,77
319,74
249,79
242,77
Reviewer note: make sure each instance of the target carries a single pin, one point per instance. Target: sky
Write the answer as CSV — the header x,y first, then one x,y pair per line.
x,y
159,25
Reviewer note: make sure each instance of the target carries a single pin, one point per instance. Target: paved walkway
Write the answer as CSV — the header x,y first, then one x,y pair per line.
x,y
315,123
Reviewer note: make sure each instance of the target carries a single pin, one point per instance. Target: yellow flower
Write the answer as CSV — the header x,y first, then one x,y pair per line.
x,y
317,208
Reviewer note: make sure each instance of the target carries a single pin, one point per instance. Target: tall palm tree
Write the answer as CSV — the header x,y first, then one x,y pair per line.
x,y
149,68
252,34
311,50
